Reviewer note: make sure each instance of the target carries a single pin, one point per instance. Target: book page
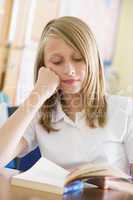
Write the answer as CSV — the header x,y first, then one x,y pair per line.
x,y
44,171
92,170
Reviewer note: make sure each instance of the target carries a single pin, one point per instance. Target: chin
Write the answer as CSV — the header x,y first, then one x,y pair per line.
x,y
71,91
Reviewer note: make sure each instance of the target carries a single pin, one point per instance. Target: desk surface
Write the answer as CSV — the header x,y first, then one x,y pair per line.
x,y
7,192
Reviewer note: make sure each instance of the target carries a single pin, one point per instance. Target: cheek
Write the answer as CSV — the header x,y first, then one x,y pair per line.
x,y
50,66
82,72
55,70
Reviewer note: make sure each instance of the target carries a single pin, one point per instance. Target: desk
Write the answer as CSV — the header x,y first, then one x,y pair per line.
x,y
8,192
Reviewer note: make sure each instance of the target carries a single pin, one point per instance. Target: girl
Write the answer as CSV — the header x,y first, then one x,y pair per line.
x,y
68,113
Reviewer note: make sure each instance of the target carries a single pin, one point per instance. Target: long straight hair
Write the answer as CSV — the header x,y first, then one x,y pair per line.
x,y
79,36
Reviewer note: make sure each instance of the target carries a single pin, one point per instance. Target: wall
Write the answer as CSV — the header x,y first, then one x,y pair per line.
x,y
123,60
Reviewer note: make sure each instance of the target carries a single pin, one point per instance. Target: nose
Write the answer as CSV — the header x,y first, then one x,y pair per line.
x,y
69,69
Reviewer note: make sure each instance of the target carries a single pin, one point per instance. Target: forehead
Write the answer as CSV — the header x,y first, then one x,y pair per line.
x,y
57,45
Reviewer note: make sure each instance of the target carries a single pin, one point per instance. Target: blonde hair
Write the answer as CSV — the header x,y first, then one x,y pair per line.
x,y
78,35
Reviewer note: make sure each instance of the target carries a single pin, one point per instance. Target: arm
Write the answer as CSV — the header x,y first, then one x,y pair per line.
x,y
12,131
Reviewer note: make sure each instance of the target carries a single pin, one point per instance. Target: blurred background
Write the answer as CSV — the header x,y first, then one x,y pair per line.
x,y
21,23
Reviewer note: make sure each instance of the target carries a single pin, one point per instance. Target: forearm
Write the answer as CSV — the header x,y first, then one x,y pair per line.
x,y
12,131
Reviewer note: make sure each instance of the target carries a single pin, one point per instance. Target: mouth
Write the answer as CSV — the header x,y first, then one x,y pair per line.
x,y
70,81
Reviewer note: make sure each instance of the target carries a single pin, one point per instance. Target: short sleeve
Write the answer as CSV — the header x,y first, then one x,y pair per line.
x,y
30,137
128,139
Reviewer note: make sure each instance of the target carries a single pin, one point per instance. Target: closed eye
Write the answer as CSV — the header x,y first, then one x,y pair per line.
x,y
57,63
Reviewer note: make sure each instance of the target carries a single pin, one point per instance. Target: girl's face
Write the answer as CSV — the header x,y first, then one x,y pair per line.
x,y
67,63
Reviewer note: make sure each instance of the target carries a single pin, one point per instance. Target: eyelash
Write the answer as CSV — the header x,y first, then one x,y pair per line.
x,y
75,59
78,59
57,63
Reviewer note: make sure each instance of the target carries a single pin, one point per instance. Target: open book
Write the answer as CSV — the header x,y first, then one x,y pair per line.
x,y
48,176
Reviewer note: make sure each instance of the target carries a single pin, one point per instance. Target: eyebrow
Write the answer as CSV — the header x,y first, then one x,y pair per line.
x,y
55,54
59,55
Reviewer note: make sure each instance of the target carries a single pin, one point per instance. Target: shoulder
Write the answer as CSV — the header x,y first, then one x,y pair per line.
x,y
120,103
120,110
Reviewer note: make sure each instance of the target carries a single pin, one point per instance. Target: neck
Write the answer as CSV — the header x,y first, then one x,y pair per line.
x,y
73,104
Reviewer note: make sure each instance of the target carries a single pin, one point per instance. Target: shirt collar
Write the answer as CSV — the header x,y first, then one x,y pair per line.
x,y
59,115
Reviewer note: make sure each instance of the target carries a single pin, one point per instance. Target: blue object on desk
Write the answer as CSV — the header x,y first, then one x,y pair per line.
x,y
29,160
12,164
75,186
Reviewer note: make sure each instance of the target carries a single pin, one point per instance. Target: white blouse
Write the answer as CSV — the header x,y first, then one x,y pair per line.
x,y
75,143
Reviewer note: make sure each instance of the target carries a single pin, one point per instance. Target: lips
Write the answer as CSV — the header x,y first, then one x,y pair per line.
x,y
70,81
